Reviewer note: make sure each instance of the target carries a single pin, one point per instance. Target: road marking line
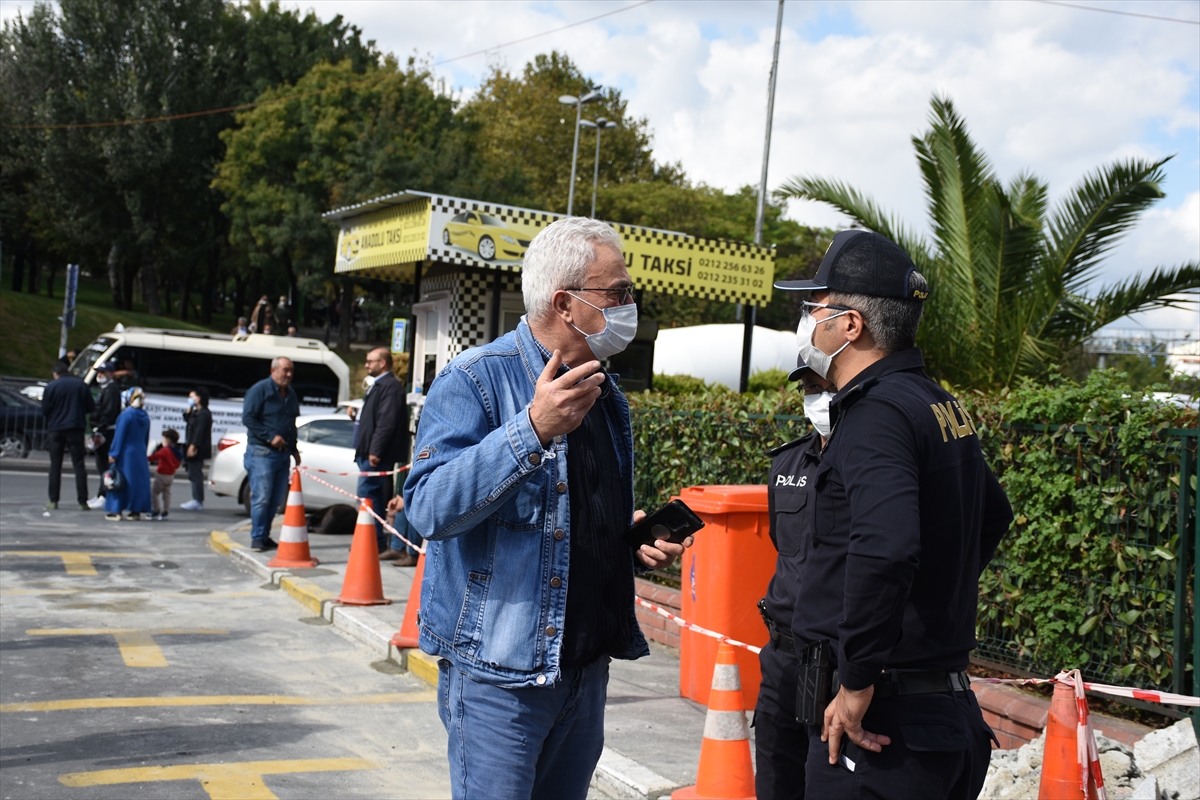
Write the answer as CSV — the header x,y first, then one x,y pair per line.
x,y
73,563
220,781
220,541
138,647
15,592
87,703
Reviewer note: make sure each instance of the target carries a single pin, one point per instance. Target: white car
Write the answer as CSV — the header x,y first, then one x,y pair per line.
x,y
325,441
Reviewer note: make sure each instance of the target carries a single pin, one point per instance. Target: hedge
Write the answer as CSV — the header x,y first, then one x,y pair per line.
x,y
1087,575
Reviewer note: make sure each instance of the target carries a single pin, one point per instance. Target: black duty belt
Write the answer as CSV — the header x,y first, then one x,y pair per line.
x,y
893,684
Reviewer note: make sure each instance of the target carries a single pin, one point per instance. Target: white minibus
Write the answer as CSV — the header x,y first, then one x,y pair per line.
x,y
168,364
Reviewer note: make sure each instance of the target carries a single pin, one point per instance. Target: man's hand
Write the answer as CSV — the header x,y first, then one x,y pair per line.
x,y
560,404
373,460
296,455
192,451
844,715
662,553
396,503
278,442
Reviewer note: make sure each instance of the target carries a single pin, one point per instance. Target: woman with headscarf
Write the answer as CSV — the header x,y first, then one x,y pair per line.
x,y
127,455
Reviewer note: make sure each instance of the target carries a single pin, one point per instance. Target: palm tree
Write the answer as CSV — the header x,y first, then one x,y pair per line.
x,y
1010,275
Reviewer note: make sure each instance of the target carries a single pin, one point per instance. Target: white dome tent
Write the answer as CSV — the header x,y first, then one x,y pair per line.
x,y
714,352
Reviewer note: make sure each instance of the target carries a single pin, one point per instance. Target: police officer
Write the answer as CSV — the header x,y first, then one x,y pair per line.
x,y
781,743
907,515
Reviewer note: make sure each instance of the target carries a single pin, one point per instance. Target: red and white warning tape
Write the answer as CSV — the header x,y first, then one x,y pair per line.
x,y
1102,688
371,511
1069,678
371,474
657,609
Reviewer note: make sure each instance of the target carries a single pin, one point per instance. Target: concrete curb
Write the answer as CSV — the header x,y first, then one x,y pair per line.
x,y
616,776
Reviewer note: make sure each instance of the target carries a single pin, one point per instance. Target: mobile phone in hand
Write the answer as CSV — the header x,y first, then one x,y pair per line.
x,y
673,522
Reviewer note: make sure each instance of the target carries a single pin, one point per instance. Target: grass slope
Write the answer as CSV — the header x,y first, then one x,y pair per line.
x,y
29,329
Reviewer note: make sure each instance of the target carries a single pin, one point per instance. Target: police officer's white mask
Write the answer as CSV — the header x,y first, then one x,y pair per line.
x,y
816,360
816,408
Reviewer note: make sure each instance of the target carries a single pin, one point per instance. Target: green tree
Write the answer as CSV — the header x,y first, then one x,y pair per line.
x,y
134,200
526,137
335,138
1011,276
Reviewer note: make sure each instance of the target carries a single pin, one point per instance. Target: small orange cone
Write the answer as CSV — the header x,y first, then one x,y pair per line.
x,y
406,637
725,771
363,585
1061,767
293,537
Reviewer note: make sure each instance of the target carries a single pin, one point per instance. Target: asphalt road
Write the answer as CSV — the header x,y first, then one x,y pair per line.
x,y
137,663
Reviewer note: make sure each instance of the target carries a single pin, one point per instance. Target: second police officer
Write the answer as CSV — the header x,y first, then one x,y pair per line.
x,y
780,741
906,516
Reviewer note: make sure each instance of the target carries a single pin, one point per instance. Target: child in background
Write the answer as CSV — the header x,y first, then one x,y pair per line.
x,y
168,457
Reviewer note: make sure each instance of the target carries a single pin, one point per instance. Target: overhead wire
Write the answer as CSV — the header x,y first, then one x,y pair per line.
x,y
1117,11
315,92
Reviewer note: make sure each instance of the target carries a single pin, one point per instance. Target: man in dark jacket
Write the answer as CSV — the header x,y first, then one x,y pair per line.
x,y
198,435
382,439
907,515
66,403
104,422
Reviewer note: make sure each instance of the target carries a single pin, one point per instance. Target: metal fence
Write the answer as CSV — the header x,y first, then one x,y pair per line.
x,y
676,449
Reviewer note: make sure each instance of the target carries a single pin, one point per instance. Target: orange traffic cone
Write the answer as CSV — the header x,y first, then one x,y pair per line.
x,y
293,537
725,770
363,585
407,635
1062,770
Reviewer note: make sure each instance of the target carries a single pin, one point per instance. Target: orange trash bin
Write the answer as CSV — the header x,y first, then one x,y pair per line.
x,y
724,574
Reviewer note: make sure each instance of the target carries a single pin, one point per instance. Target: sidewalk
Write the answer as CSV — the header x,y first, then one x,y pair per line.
x,y
652,735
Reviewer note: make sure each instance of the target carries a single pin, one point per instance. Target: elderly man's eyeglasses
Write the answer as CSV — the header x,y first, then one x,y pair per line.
x,y
622,294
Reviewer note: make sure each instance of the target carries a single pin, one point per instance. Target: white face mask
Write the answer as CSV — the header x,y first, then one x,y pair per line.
x,y
816,408
816,360
620,326
102,379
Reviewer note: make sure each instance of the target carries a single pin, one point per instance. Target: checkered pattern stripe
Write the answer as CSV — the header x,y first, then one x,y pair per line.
x,y
469,311
470,298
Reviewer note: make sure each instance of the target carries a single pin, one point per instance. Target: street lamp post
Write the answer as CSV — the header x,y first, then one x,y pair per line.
x,y
592,96
600,124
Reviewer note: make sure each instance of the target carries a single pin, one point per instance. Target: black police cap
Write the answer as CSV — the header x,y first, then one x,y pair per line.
x,y
795,374
862,262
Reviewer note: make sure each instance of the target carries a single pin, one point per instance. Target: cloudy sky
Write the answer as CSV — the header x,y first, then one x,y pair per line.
x,y
1052,88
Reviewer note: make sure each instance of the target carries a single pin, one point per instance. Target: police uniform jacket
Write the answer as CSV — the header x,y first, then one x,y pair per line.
x,y
907,516
790,504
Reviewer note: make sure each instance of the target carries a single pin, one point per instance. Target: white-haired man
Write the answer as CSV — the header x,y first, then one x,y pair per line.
x,y
523,483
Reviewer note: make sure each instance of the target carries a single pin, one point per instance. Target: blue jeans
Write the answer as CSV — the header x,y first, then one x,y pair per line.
x,y
378,489
530,742
268,471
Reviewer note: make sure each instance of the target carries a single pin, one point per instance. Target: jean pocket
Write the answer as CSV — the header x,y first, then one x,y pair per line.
x,y
470,620
524,511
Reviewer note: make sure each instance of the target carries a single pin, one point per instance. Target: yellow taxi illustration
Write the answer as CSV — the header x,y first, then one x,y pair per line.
x,y
485,235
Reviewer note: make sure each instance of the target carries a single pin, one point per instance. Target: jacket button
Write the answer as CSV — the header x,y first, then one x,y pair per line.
x,y
560,534
558,439
551,630
561,487
555,582
535,458
541,680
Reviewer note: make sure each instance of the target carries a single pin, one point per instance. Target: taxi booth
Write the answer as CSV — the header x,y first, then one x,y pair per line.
x,y
464,258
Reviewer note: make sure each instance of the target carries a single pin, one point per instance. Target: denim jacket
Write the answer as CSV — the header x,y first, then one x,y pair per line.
x,y
494,508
